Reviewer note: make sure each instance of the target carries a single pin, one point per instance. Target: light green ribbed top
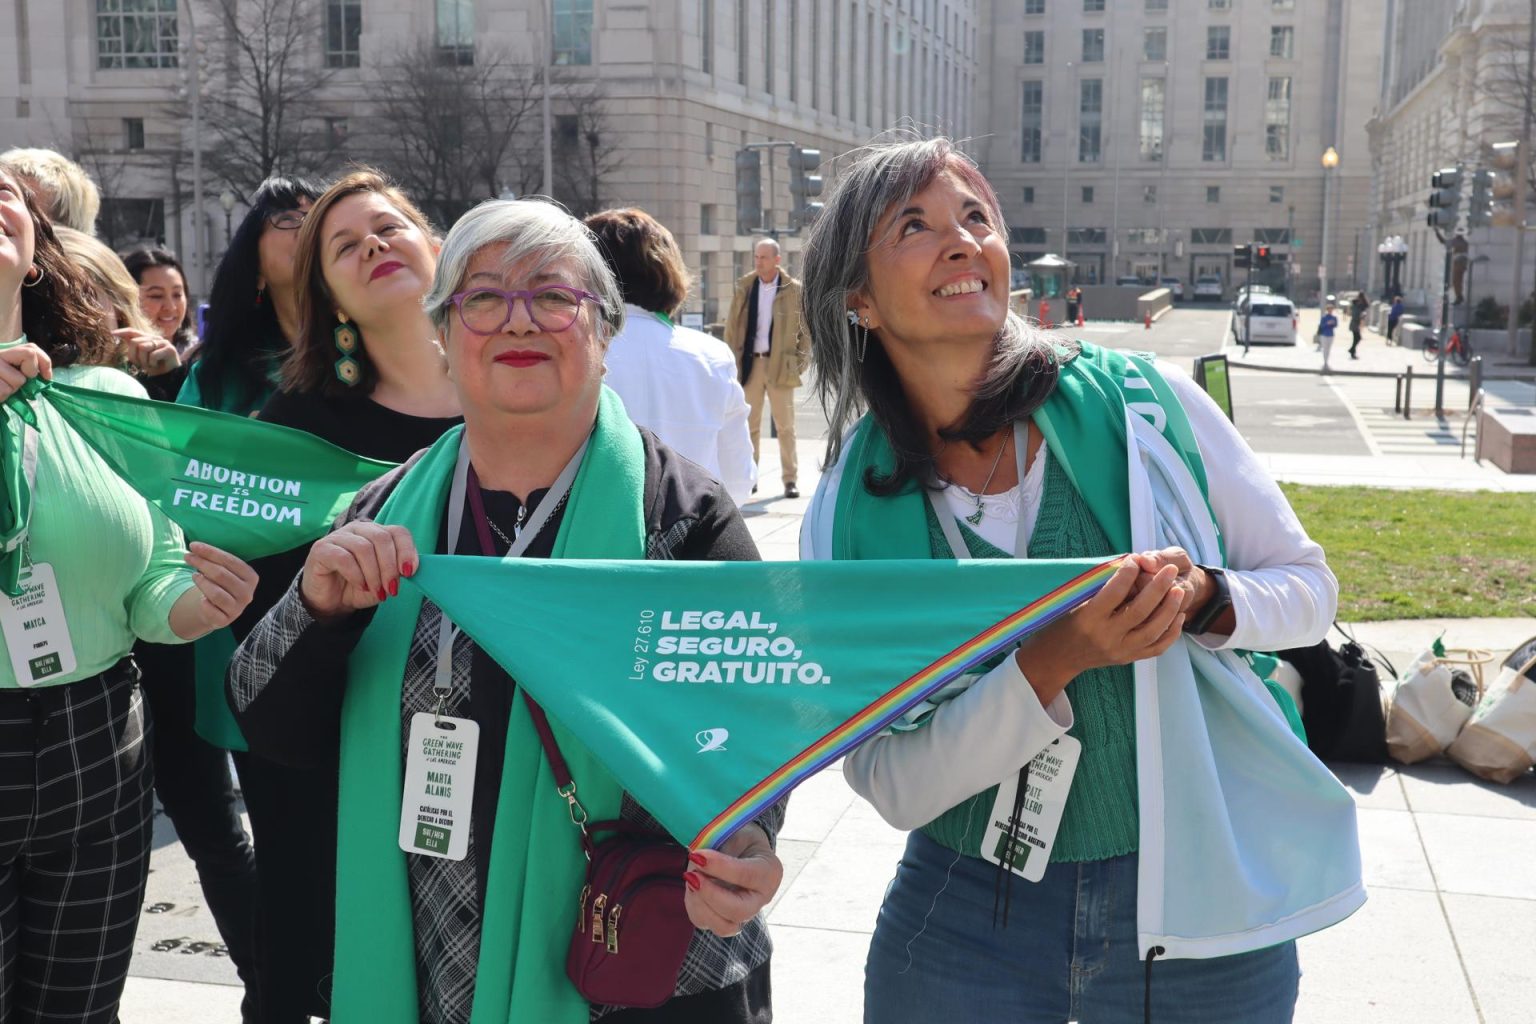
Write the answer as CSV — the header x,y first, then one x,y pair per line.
x,y
1101,817
118,560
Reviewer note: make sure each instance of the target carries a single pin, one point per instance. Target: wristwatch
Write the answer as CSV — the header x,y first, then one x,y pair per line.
x,y
1218,604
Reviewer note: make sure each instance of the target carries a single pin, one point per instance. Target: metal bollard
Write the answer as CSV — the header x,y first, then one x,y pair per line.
x,y
1408,393
1474,380
1397,394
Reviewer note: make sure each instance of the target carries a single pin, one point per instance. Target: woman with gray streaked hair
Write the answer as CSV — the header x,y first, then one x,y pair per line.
x,y
547,464
986,437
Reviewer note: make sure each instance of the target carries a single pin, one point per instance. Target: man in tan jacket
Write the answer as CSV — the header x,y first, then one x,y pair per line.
x,y
767,335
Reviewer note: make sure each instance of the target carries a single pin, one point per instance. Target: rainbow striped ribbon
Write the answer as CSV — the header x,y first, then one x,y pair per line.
x,y
882,712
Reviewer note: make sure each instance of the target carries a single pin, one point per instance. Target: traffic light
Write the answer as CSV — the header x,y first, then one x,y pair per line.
x,y
1261,256
803,185
1242,256
1480,204
1507,160
1445,198
749,191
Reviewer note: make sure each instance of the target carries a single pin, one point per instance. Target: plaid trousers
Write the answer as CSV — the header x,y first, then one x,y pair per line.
x,y
75,804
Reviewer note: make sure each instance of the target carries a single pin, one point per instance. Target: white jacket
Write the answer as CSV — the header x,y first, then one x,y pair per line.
x,y
681,385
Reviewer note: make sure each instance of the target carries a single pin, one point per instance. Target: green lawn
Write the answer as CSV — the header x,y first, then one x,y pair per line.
x,y
1424,554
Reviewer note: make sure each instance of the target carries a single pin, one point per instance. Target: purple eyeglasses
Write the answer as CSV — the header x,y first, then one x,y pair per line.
x,y
551,308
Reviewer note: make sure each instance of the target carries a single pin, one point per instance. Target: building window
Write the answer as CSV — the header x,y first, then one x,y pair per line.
x,y
1210,236
1090,113
1154,44
1153,95
1032,123
1277,193
743,41
1093,6
1030,7
343,33
837,24
1277,119
1149,194
1034,47
1157,5
1218,42
1272,236
1213,147
573,32
1029,195
1087,236
133,133
1093,45
136,34
1026,236
1087,193
706,219
1282,5
1213,193
1282,41
1143,236
456,31
1221,5
336,131
707,36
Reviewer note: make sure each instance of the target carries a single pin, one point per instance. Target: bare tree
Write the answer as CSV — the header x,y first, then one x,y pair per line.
x,y
260,101
447,131
583,151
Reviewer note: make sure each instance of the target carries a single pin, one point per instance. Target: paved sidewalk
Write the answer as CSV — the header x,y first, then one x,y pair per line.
x,y
1448,935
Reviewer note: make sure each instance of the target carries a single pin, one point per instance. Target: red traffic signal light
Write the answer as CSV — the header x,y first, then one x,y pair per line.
x,y
1261,256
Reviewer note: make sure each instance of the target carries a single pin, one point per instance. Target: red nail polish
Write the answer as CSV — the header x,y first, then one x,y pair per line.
x,y
382,595
394,588
698,858
693,880
408,569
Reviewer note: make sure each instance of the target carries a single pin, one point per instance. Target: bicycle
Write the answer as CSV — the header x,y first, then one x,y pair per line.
x,y
1458,348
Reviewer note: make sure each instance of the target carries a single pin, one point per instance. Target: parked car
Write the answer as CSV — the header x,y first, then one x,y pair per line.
x,y
1128,280
1174,285
1208,286
1250,289
1272,320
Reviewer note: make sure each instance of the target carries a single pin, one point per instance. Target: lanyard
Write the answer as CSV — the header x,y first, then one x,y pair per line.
x,y
952,534
446,630
29,472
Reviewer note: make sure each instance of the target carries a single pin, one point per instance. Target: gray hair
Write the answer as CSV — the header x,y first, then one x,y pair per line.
x,y
533,229
883,176
772,243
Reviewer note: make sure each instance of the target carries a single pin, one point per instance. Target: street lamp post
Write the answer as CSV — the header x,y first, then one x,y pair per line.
x,y
1330,161
1393,251
227,200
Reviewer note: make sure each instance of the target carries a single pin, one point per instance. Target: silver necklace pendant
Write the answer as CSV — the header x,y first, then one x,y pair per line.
x,y
975,517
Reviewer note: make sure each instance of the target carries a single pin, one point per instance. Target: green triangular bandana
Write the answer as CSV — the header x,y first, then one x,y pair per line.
x,y
248,487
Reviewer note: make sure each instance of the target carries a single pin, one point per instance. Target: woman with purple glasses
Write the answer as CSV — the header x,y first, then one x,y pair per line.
x,y
547,465
365,372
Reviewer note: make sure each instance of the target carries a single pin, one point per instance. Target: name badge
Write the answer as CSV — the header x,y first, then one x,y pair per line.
x,y
439,786
36,633
1027,852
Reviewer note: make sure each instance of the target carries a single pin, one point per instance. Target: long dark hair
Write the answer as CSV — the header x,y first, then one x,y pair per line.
x,y
242,335
59,313
854,373
140,260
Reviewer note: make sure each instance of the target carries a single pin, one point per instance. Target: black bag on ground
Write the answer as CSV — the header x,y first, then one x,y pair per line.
x,y
1341,702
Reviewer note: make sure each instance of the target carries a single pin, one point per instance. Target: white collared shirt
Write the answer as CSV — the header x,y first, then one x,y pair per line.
x,y
681,385
765,296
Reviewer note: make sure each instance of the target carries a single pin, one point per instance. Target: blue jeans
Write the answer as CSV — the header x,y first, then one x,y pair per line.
x,y
1068,953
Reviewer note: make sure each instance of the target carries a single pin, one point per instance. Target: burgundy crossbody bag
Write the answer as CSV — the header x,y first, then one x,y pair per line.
x,y
632,931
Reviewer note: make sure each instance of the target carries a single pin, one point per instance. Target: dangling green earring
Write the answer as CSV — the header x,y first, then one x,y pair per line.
x,y
348,370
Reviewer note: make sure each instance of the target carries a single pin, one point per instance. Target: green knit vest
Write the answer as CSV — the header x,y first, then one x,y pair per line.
x,y
1100,820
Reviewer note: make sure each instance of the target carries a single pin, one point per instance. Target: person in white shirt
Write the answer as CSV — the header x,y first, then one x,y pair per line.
x,y
678,383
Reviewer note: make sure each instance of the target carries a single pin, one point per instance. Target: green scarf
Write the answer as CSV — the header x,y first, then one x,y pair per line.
x,y
536,862
1083,423
1084,426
